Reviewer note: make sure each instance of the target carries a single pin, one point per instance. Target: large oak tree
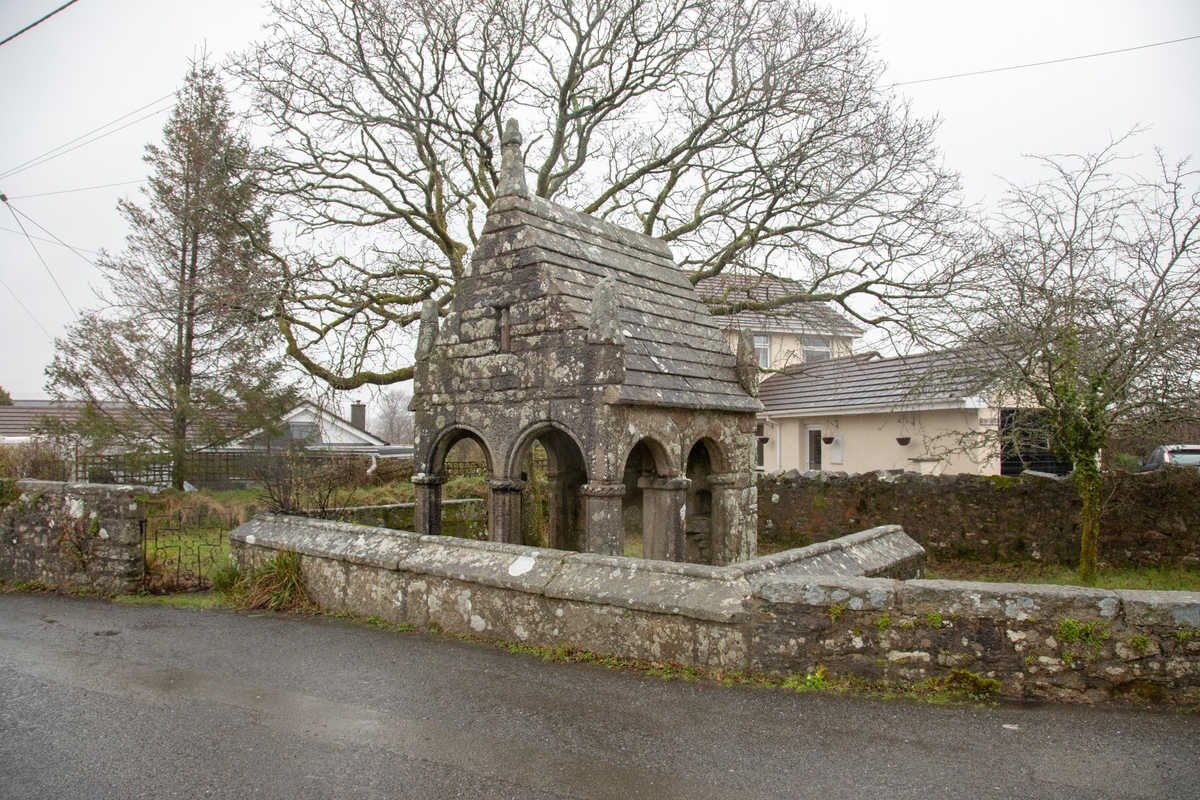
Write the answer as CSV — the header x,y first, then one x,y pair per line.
x,y
752,136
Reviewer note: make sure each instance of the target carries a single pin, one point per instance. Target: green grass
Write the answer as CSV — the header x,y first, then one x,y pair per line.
x,y
1152,578
190,600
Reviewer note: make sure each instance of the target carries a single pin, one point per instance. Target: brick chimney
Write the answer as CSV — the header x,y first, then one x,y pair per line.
x,y
358,415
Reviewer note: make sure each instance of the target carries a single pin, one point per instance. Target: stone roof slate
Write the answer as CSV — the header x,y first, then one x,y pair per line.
x,y
675,352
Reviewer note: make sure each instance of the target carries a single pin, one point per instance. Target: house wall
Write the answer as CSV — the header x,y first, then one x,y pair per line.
x,y
787,349
868,442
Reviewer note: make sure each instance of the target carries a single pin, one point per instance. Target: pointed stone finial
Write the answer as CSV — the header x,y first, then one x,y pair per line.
x,y
747,363
512,163
427,333
605,324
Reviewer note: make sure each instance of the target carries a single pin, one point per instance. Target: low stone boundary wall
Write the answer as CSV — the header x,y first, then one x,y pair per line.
x,y
74,536
463,518
763,615
1150,519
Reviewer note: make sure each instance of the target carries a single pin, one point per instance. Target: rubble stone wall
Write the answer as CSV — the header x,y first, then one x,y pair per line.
x,y
788,613
74,536
1149,519
466,518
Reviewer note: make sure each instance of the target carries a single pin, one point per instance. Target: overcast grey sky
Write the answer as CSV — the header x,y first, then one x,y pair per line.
x,y
100,59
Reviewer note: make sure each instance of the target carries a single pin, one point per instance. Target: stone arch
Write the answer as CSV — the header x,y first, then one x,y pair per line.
x,y
654,501
565,475
446,441
427,511
703,460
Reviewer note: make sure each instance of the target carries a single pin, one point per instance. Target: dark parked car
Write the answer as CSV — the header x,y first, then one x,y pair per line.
x,y
1180,455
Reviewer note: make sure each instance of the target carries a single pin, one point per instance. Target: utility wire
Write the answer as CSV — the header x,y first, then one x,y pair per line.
x,y
89,133
1044,63
27,311
39,22
50,241
39,255
74,250
39,161
72,191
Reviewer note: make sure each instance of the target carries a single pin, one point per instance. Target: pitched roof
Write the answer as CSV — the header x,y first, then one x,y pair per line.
x,y
868,382
19,420
820,319
675,351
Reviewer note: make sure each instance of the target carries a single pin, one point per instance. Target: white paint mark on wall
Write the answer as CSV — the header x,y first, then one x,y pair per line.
x,y
521,565
478,624
250,539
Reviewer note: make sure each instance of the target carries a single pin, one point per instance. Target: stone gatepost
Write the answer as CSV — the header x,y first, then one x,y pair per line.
x,y
504,510
427,511
604,529
664,507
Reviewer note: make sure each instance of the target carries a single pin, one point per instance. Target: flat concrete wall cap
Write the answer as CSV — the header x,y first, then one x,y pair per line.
x,y
628,585
526,569
665,567
376,547
1015,601
1172,609
855,593
108,489
776,560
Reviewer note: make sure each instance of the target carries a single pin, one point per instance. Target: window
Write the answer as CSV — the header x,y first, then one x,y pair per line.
x,y
762,351
816,348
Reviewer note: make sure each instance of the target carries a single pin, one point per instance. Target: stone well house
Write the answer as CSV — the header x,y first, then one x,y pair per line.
x,y
585,338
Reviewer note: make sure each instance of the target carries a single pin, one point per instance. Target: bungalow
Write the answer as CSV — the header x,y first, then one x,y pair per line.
x,y
861,413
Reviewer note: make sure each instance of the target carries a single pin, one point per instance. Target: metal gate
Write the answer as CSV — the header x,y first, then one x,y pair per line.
x,y
183,549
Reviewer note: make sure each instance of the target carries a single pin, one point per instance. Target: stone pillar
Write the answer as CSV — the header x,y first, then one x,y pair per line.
x,y
734,518
504,510
427,511
603,528
664,507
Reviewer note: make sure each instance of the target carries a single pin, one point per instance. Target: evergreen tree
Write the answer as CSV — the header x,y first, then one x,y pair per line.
x,y
179,355
5,397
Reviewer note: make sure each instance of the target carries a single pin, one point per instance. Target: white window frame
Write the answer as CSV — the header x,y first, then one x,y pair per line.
x,y
808,431
762,350
816,348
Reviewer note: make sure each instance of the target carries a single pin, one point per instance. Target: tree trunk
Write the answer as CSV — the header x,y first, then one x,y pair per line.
x,y
1090,485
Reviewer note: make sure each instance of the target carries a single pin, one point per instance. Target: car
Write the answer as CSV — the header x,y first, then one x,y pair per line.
x,y
1179,455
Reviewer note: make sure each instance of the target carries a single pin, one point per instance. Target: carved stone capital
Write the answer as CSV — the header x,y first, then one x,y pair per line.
x,y
602,489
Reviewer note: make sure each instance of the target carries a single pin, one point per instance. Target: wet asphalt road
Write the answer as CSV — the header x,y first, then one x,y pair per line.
x,y
101,700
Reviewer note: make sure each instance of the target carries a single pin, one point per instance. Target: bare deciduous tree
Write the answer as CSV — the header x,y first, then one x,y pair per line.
x,y
1087,311
391,418
751,136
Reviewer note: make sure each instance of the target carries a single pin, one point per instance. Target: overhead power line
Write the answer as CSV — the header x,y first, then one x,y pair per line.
x,y
49,241
39,22
72,191
1044,63
26,308
32,221
48,152
48,157
39,255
